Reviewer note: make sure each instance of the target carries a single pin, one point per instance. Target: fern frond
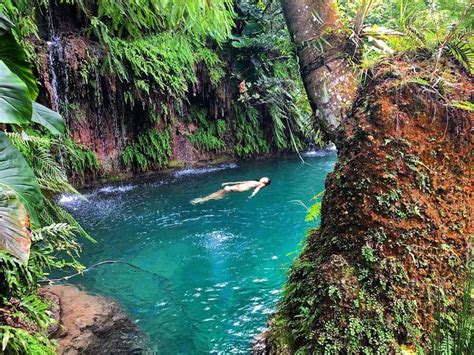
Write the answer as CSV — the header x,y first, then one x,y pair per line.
x,y
463,52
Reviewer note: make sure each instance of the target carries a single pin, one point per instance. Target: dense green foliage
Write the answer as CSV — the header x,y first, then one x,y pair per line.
x,y
151,149
440,26
158,50
164,62
79,161
454,333
36,234
152,46
249,137
267,68
210,134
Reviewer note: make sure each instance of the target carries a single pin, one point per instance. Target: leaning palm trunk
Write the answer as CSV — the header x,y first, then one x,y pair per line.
x,y
324,53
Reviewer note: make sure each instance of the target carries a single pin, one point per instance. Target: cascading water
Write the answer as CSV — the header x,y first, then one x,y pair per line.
x,y
312,145
56,68
313,150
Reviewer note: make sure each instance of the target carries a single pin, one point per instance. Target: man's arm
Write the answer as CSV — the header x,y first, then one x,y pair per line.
x,y
257,189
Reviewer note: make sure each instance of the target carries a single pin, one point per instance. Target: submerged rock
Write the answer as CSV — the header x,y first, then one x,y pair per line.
x,y
91,324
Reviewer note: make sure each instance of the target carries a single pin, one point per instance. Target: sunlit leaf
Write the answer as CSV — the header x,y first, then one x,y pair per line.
x,y
16,175
463,105
15,101
313,212
14,56
15,234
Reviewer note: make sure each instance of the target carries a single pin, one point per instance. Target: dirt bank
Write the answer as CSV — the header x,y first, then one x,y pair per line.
x,y
396,218
91,324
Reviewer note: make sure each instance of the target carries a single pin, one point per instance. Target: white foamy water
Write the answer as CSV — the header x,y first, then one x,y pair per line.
x,y
196,171
65,199
68,199
329,150
120,188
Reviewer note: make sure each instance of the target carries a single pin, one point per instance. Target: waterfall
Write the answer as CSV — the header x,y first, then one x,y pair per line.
x,y
57,71
312,145
313,150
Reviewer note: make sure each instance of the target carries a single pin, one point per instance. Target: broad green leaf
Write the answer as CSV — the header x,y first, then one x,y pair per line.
x,y
16,175
15,234
5,24
48,118
14,56
15,101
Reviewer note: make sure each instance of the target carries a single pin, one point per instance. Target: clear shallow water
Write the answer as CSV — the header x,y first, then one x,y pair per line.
x,y
221,265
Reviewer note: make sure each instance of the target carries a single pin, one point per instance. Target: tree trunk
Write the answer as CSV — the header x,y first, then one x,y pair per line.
x,y
324,52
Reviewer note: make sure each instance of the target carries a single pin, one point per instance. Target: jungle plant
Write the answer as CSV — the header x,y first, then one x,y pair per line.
x,y
152,46
79,160
454,333
313,211
441,26
21,193
267,67
210,134
151,149
249,137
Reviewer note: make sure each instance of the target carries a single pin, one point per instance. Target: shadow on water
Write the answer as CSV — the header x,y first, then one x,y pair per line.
x,y
224,261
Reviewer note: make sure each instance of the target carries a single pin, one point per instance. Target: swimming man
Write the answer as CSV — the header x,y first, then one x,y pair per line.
x,y
239,186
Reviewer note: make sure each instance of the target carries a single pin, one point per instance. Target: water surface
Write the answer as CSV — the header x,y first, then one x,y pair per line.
x,y
214,271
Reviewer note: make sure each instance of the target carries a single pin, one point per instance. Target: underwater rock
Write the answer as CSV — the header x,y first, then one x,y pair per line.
x,y
91,324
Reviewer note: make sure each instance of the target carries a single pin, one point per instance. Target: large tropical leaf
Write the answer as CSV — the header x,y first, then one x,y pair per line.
x,y
14,56
16,175
15,234
15,101
48,118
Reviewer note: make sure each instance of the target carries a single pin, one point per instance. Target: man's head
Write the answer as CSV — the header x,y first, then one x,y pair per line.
x,y
265,181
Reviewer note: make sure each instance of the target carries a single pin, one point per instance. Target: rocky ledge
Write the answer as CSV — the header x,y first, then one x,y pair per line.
x,y
90,324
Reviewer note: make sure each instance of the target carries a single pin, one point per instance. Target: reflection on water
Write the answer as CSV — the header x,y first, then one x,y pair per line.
x,y
224,262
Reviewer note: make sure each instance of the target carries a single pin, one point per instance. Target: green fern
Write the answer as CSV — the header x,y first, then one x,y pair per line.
x,y
454,332
210,134
150,150
18,341
249,137
463,52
